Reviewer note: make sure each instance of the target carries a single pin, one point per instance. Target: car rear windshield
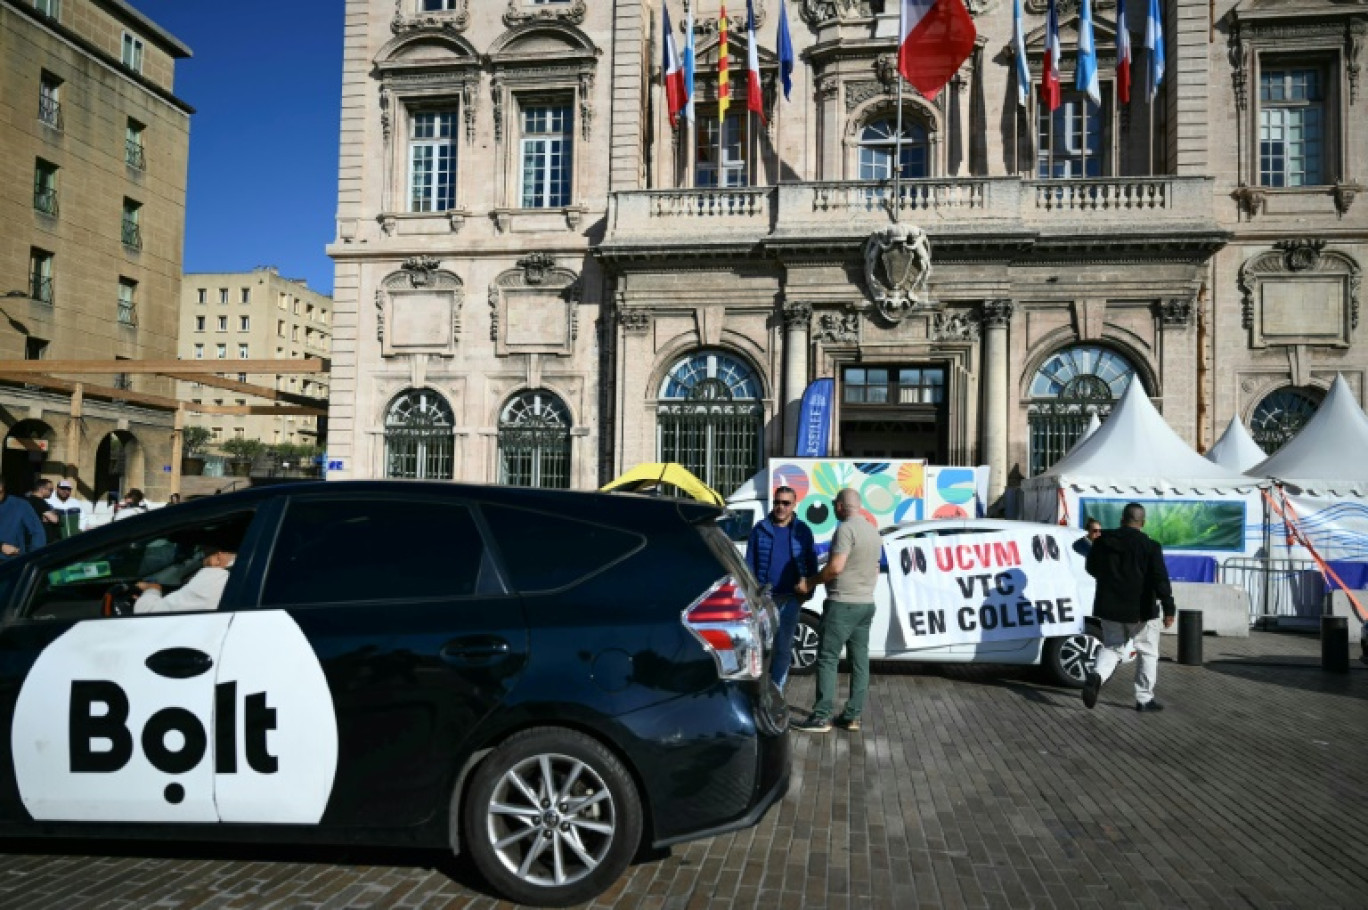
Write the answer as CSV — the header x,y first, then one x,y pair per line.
x,y
546,552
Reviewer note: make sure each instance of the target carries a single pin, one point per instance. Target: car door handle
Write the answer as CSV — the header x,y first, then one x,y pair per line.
x,y
179,663
476,648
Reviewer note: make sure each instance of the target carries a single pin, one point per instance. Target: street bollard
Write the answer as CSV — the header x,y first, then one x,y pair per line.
x,y
1334,644
1190,637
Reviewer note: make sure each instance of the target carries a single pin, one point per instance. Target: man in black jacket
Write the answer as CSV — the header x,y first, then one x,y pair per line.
x,y
1131,577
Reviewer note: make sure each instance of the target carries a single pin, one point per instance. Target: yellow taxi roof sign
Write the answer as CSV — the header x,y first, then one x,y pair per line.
x,y
645,477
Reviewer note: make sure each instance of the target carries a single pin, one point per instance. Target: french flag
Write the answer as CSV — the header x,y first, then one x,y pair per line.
x,y
675,95
1050,94
755,100
1123,53
935,38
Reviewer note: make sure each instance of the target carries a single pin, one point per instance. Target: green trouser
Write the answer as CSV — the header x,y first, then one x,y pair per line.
x,y
844,625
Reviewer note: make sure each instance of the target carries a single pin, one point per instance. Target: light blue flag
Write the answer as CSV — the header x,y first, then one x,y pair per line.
x,y
1154,48
1085,79
689,64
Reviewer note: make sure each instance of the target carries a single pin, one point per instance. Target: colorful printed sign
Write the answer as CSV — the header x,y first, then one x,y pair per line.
x,y
892,491
968,589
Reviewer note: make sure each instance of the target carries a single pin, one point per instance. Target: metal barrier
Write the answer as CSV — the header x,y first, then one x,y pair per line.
x,y
1278,587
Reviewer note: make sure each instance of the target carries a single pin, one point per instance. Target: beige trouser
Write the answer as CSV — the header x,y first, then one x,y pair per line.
x,y
1115,638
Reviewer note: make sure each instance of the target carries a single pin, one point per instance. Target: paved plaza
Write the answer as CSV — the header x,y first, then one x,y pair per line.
x,y
967,788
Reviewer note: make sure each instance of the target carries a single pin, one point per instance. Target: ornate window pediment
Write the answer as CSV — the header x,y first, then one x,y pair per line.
x,y
418,310
409,16
521,12
543,57
1104,40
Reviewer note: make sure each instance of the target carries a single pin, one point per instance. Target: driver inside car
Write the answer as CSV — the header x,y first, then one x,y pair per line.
x,y
201,593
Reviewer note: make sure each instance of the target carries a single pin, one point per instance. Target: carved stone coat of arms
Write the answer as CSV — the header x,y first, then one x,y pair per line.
x,y
898,269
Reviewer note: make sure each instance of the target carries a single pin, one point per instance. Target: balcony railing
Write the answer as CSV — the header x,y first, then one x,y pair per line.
x,y
127,313
800,210
133,154
132,235
40,288
1123,194
45,200
50,112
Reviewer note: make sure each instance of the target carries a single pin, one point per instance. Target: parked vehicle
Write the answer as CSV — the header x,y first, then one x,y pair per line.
x,y
1065,659
548,681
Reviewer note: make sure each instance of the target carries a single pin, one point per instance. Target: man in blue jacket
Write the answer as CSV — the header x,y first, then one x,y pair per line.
x,y
20,530
782,554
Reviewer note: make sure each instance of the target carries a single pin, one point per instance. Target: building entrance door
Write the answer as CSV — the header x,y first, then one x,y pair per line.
x,y
893,412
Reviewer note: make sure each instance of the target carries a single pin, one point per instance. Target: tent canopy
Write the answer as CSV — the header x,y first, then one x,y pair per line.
x,y
1135,448
1236,450
1333,446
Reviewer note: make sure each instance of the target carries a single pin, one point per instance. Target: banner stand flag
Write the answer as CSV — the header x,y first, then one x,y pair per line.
x,y
814,419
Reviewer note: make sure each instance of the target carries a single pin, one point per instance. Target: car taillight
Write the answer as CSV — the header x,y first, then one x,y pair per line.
x,y
723,621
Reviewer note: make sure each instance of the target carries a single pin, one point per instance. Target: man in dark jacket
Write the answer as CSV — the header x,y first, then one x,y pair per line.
x,y
20,529
781,553
1131,577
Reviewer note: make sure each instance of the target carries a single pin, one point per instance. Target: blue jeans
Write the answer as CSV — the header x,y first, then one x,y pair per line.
x,y
783,639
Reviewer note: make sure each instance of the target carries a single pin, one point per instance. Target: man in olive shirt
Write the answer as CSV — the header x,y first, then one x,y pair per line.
x,y
850,575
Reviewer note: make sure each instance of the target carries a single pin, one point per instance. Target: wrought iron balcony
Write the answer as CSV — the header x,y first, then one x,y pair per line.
x,y
50,112
132,234
127,313
45,200
40,288
133,154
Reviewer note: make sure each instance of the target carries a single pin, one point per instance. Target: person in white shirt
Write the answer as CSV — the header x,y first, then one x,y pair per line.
x,y
202,592
74,513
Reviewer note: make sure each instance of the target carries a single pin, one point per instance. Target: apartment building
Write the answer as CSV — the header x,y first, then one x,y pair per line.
x,y
256,315
540,279
93,157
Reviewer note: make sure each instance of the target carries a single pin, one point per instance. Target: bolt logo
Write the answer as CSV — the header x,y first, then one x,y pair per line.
x,y
194,718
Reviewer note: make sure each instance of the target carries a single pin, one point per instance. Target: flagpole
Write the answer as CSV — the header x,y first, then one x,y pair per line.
x,y
897,137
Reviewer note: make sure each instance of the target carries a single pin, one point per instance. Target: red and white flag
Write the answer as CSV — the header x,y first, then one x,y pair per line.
x,y
1050,94
935,38
673,69
755,101
1123,53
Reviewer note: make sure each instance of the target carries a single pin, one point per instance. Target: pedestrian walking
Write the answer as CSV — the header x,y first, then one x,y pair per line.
x,y
782,554
38,500
850,575
20,529
134,503
1132,581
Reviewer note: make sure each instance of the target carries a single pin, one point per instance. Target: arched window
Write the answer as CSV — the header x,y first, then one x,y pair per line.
x,y
711,420
418,436
1281,415
534,441
1065,392
878,146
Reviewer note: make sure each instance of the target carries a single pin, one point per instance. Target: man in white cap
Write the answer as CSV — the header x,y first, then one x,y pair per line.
x,y
72,512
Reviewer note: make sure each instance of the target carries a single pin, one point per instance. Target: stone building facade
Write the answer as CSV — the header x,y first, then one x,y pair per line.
x,y
257,314
541,280
94,147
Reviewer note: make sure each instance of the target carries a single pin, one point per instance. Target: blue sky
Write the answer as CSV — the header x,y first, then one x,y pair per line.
x,y
266,82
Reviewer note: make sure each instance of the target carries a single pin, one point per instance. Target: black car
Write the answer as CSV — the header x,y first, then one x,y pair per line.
x,y
548,681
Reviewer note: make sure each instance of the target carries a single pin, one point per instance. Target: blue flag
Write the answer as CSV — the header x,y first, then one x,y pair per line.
x,y
1154,49
785,45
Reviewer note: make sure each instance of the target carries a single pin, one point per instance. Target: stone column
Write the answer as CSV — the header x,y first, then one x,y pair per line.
x,y
797,317
997,314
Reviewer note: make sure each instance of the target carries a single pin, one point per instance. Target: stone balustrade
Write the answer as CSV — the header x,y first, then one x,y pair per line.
x,y
839,208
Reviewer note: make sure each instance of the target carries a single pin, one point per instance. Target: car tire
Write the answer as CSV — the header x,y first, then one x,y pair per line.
x,y
1068,659
587,834
807,634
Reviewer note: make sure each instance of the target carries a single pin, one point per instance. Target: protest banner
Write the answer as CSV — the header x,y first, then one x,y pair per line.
x,y
968,589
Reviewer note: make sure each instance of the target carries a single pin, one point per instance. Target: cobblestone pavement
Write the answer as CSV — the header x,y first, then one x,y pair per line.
x,y
967,788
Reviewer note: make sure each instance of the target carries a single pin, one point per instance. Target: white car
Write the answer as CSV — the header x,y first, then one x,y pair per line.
x,y
1066,659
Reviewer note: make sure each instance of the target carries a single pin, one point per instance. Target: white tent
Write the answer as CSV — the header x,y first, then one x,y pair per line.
x,y
1330,454
1323,472
1136,456
1236,450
